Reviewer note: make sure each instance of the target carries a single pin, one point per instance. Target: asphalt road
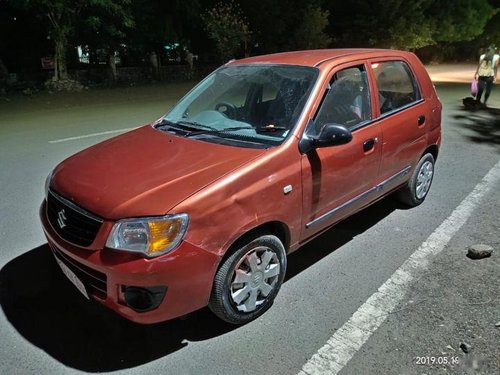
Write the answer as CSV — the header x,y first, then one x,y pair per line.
x,y
47,327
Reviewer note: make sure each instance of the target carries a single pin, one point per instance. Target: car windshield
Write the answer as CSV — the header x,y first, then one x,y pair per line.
x,y
243,105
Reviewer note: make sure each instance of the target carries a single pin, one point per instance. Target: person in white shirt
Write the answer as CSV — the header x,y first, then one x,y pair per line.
x,y
486,73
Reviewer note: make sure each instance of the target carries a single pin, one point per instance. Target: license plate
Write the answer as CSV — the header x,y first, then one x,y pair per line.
x,y
73,278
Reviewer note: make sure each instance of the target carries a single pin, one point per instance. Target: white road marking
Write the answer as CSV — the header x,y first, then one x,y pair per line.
x,y
348,339
91,135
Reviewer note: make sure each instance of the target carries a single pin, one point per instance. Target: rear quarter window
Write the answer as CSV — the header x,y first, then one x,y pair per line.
x,y
397,87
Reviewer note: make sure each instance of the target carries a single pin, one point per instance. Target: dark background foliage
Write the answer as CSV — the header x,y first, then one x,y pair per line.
x,y
134,31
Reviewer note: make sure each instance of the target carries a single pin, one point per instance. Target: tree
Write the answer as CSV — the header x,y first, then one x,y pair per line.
x,y
227,26
104,24
382,23
275,24
60,15
409,25
491,33
459,20
311,31
3,75
159,24
63,16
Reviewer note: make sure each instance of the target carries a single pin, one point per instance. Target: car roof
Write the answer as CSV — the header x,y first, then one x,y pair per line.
x,y
316,57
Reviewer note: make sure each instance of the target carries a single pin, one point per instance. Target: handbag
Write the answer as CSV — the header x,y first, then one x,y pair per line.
x,y
473,87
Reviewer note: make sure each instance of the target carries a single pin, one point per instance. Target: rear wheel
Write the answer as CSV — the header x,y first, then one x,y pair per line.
x,y
420,182
248,280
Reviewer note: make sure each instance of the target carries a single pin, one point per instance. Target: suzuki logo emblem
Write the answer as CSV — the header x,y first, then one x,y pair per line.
x,y
61,219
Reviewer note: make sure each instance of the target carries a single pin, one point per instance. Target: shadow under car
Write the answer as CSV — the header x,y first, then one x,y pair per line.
x,y
44,307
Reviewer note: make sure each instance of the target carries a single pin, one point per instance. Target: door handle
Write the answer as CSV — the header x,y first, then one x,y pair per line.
x,y
421,120
369,144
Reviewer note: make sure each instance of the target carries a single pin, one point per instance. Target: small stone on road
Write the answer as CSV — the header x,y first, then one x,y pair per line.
x,y
465,347
479,251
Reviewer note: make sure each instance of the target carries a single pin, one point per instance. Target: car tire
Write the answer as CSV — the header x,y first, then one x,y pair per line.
x,y
248,280
417,188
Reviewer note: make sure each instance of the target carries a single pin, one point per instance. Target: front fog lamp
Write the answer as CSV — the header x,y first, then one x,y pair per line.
x,y
151,236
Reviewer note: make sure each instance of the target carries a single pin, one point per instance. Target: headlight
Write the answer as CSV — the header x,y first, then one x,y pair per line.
x,y
47,183
151,236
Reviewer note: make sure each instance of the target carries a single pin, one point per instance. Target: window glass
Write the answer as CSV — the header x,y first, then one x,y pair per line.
x,y
347,101
396,85
270,92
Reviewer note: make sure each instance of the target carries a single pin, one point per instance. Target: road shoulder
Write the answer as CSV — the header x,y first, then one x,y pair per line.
x,y
447,321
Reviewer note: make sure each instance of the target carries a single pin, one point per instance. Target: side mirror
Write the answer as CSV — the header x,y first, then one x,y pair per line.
x,y
330,135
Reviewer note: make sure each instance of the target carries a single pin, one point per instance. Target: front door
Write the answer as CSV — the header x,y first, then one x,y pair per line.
x,y
339,180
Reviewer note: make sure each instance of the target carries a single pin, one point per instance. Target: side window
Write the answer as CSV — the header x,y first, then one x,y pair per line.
x,y
347,101
396,85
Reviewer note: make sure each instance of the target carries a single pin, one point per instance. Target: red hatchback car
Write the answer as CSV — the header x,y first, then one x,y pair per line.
x,y
202,206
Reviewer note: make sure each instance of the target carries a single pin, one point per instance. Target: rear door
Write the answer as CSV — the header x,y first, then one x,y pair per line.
x,y
338,180
403,117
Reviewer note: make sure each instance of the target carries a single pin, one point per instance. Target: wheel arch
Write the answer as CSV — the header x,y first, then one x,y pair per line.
x,y
220,296
433,150
276,228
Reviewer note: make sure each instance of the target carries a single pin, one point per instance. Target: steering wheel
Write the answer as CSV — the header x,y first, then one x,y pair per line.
x,y
227,109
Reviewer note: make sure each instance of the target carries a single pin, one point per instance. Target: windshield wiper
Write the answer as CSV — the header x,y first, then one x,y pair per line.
x,y
195,125
187,127
172,125
219,131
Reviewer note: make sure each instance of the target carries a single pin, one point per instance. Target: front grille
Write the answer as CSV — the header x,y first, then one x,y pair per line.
x,y
95,282
71,222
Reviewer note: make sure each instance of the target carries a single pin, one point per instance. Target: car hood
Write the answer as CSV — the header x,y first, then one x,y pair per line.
x,y
145,172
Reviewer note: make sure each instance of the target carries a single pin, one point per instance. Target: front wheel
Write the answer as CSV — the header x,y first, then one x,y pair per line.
x,y
420,182
248,280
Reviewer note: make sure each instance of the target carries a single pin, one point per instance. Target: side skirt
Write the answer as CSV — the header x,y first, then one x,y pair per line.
x,y
376,189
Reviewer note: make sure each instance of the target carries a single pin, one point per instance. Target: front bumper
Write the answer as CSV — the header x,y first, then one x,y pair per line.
x,y
187,273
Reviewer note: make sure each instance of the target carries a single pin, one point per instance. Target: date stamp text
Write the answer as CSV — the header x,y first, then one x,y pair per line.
x,y
437,360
